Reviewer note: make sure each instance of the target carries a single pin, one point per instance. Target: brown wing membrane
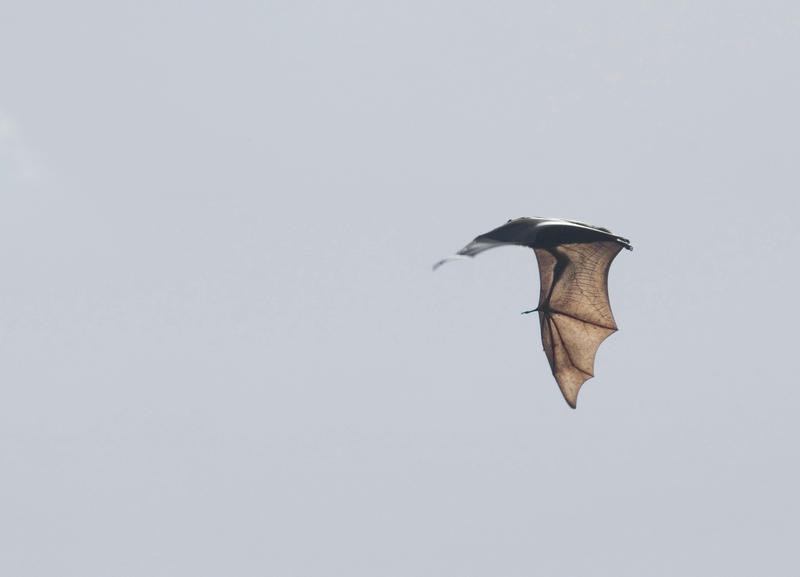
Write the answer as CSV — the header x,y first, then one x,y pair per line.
x,y
574,311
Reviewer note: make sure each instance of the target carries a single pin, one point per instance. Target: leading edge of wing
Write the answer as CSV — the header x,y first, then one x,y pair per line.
x,y
469,251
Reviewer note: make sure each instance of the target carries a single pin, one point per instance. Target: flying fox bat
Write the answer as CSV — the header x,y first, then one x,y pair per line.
x,y
574,312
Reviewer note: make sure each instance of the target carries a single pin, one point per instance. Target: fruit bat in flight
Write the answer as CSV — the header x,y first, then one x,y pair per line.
x,y
574,312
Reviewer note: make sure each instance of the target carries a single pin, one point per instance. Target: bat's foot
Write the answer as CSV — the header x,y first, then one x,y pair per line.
x,y
530,311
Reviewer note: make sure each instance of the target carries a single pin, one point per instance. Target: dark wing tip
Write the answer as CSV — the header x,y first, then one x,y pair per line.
x,y
624,242
448,259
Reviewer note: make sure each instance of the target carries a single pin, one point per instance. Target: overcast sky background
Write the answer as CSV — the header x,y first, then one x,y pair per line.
x,y
222,348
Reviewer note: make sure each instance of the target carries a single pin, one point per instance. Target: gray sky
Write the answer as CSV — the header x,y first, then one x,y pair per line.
x,y
222,348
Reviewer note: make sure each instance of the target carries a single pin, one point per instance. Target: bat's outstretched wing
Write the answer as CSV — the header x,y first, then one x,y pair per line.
x,y
574,311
